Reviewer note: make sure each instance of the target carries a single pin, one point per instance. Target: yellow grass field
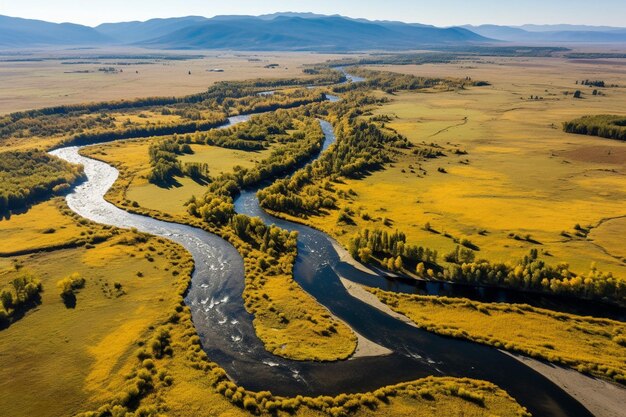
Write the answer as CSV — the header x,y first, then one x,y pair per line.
x,y
132,159
42,226
56,81
64,360
522,174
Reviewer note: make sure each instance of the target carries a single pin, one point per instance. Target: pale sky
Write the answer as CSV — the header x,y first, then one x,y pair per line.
x,y
435,12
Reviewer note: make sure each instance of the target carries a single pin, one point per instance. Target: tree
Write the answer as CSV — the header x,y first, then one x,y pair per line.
x,y
397,264
365,254
577,94
6,297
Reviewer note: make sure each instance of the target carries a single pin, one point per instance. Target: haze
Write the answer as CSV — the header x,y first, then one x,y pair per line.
x,y
457,12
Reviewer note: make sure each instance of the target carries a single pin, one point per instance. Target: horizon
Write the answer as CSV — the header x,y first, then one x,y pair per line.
x,y
457,12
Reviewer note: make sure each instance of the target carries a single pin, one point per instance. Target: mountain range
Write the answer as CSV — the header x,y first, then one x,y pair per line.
x,y
551,33
285,31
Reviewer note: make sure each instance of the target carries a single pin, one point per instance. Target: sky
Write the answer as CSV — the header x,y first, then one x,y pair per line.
x,y
434,12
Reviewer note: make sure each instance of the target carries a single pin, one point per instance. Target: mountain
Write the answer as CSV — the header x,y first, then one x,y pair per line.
x,y
570,28
132,32
320,33
17,32
551,33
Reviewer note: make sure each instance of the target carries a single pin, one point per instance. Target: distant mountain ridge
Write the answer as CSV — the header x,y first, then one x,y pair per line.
x,y
17,32
279,31
327,33
288,31
552,33
131,32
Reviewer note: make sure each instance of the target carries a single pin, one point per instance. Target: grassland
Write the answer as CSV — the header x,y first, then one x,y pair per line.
x,y
589,345
60,78
132,160
509,168
121,351
43,226
129,280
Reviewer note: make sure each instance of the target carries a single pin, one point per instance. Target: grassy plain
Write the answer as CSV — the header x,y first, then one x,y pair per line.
x,y
522,175
57,79
44,225
590,345
62,360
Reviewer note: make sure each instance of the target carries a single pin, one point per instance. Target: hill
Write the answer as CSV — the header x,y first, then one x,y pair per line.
x,y
131,32
17,32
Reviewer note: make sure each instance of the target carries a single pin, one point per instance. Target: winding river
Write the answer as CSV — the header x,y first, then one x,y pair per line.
x,y
228,337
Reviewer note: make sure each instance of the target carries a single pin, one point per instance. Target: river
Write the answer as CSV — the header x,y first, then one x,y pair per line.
x,y
228,337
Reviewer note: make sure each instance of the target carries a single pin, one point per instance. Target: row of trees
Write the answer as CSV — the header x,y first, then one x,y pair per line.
x,y
391,82
81,124
383,246
200,119
144,131
532,273
256,134
605,125
30,176
53,125
592,83
219,91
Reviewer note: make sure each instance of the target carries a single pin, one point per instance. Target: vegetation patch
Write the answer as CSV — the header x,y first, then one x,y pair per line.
x,y
68,287
31,176
605,126
22,294
589,345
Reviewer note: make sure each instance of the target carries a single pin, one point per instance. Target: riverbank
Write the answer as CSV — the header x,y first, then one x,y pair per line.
x,y
602,398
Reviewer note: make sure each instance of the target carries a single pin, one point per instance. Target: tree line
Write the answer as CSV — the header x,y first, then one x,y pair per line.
x,y
78,124
604,125
220,90
391,82
144,131
532,273
389,249
30,176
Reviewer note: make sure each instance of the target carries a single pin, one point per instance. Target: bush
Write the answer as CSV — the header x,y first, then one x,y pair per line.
x,y
68,287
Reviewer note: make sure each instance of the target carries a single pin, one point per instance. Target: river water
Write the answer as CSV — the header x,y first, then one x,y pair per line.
x,y
228,337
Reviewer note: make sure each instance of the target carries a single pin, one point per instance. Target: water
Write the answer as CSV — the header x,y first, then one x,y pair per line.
x,y
228,337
